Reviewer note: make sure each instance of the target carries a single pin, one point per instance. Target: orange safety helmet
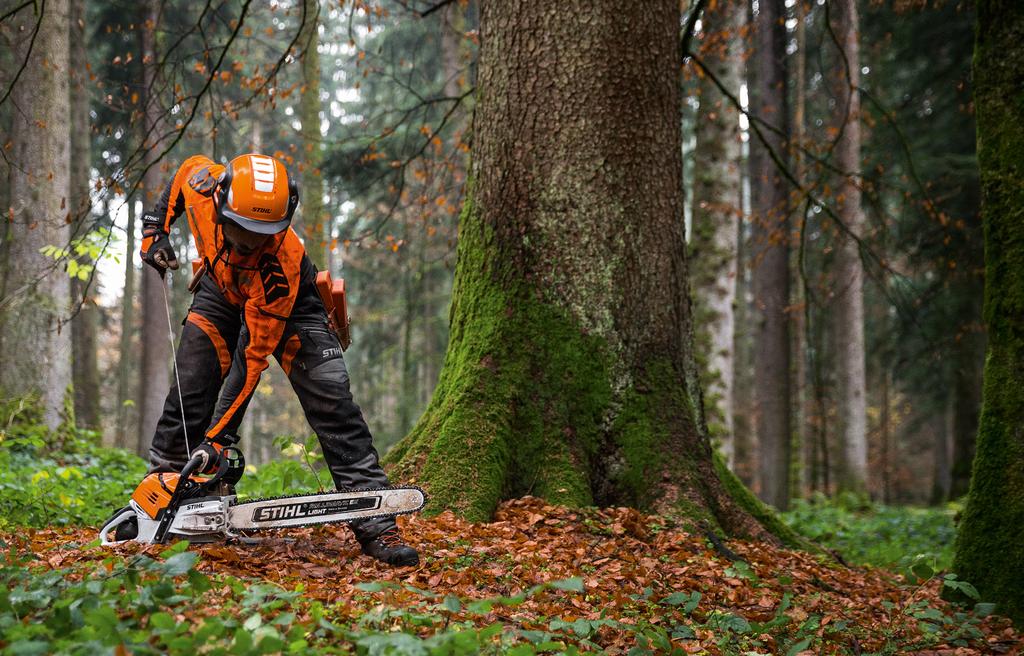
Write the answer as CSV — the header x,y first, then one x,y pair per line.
x,y
257,194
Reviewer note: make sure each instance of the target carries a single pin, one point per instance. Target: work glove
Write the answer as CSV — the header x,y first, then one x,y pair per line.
x,y
156,250
209,453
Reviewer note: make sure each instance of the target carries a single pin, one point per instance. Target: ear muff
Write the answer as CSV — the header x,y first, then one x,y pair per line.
x,y
224,187
293,197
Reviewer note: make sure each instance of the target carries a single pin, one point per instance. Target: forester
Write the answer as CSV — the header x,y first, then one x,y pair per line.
x,y
255,296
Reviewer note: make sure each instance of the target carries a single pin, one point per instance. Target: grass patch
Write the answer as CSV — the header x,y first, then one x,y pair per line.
x,y
874,534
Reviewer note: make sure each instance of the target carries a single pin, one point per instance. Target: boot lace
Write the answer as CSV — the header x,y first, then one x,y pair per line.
x,y
391,538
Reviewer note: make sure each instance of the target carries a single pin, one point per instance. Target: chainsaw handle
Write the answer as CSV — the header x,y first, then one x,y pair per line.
x,y
179,492
229,461
198,461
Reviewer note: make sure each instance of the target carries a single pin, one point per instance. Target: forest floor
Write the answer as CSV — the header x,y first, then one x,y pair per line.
x,y
538,579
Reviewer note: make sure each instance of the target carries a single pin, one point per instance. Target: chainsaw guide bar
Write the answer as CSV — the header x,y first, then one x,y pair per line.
x,y
324,507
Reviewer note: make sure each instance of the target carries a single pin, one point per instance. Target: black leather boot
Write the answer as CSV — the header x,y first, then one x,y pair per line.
x,y
389,547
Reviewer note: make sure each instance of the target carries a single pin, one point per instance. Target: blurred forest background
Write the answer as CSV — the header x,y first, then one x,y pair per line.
x,y
842,358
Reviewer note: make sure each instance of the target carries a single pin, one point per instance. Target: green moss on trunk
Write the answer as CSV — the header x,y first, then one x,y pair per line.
x,y
519,403
990,548
526,405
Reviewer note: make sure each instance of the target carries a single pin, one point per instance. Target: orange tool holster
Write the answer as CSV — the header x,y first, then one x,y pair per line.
x,y
332,293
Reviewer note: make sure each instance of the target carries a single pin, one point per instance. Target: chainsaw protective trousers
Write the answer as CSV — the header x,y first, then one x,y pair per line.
x,y
310,355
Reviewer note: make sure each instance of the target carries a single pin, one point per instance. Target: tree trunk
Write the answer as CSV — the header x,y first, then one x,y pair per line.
x,y
801,401
569,372
771,257
451,47
970,357
989,551
86,374
412,290
126,353
716,215
943,431
156,353
848,301
885,432
312,219
35,340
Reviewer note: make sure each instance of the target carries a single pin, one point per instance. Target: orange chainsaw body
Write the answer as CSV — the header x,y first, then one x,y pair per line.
x,y
155,491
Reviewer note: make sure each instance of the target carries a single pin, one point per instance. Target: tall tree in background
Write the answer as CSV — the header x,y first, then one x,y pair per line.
x,y
314,228
569,372
155,349
848,300
770,254
86,374
989,550
35,345
801,407
125,397
924,334
716,214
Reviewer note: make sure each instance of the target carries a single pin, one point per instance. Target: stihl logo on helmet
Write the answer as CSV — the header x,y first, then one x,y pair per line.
x,y
257,194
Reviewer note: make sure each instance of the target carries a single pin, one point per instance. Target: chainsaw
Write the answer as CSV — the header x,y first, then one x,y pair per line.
x,y
167,506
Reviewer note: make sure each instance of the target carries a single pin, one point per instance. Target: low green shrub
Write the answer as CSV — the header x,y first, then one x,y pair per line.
x,y
60,478
134,606
875,534
287,475
66,478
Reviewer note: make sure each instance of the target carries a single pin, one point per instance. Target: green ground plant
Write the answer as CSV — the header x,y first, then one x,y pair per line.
x,y
873,534
59,478
139,603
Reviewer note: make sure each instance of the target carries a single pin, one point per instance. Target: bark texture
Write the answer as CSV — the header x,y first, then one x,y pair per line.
x,y
801,406
156,351
848,302
35,340
569,372
312,218
770,253
716,216
989,550
125,391
85,369
967,381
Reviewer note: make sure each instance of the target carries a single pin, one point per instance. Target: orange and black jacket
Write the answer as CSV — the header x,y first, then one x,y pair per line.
x,y
262,285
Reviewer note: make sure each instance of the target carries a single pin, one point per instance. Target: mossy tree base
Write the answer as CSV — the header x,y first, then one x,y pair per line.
x,y
570,371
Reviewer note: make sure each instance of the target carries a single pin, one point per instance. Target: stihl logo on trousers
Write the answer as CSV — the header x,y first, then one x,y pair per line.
x,y
275,283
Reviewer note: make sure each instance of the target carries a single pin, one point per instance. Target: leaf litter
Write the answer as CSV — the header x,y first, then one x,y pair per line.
x,y
598,579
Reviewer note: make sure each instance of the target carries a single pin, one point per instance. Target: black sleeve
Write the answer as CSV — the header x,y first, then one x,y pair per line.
x,y
161,209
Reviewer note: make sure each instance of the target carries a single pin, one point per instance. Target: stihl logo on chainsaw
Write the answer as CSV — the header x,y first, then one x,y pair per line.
x,y
314,509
